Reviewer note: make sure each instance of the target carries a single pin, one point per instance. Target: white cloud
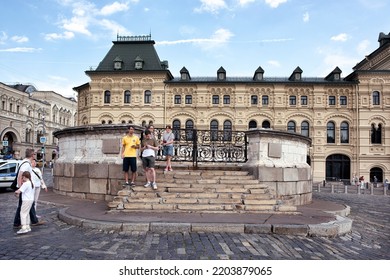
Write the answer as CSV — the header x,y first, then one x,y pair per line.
x,y
3,37
77,25
219,38
24,50
114,8
19,39
55,36
275,3
245,2
306,17
274,63
342,37
114,27
362,47
211,6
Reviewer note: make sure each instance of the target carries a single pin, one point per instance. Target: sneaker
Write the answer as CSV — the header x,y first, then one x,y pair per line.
x,y
170,169
147,185
132,184
126,184
154,185
28,229
22,230
166,169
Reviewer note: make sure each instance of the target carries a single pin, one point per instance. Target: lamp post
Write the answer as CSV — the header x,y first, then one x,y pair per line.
x,y
43,142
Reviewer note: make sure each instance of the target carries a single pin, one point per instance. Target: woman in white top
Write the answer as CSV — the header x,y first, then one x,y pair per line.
x,y
37,180
27,192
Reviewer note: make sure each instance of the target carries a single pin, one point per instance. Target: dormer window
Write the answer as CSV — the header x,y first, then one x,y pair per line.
x,y
118,63
221,74
296,75
184,74
259,74
138,63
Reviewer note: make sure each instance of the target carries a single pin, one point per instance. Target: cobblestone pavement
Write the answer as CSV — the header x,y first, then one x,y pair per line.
x,y
55,240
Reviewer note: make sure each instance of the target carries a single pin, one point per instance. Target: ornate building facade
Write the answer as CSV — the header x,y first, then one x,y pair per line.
x,y
29,118
346,118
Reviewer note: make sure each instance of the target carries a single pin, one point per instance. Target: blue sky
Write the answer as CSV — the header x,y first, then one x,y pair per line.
x,y
50,43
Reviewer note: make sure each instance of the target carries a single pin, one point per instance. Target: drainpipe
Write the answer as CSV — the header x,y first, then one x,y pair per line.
x,y
357,131
165,106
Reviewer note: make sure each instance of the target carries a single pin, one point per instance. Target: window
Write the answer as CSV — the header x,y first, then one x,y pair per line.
x,y
343,100
177,99
332,100
264,100
214,130
376,134
266,124
254,100
330,132
344,132
215,99
291,126
17,109
293,100
3,105
127,97
189,130
303,100
375,98
188,99
107,97
227,130
176,129
305,128
226,99
252,124
148,97
11,107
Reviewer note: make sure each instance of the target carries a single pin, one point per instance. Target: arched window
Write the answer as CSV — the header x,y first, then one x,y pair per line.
x,y
305,128
376,98
266,124
127,97
215,99
110,122
189,130
103,122
376,134
214,130
148,97
226,99
344,132
291,126
227,130
330,132
177,99
252,124
107,97
176,129
188,99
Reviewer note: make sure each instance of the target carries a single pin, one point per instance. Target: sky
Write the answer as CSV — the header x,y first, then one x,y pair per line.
x,y
51,43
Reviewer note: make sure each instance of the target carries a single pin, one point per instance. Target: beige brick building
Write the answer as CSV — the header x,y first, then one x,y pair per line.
x,y
346,118
28,114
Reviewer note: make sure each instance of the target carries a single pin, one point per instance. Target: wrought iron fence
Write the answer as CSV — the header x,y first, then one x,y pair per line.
x,y
193,145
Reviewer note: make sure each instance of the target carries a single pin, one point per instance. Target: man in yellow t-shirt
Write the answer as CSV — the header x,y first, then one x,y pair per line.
x,y
130,144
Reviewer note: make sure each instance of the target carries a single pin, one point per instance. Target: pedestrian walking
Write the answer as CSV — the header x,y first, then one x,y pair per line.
x,y
38,182
26,192
130,144
375,181
25,165
149,146
167,143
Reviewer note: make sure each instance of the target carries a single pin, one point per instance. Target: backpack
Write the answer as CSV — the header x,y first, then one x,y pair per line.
x,y
14,185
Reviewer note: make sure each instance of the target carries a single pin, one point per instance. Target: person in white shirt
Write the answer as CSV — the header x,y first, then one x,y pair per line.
x,y
149,147
37,180
27,192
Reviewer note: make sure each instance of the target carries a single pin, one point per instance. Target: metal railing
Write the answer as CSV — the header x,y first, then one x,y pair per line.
x,y
193,145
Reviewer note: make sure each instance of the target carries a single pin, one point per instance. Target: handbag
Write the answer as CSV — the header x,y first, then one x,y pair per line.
x,y
14,185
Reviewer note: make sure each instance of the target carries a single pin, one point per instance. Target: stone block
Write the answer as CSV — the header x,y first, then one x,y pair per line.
x,y
81,185
301,230
98,186
81,170
94,196
131,227
161,227
290,174
115,171
267,174
216,227
274,150
68,169
98,171
65,184
258,228
58,169
110,146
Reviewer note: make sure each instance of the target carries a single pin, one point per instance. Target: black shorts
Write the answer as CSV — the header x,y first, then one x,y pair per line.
x,y
148,162
130,163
